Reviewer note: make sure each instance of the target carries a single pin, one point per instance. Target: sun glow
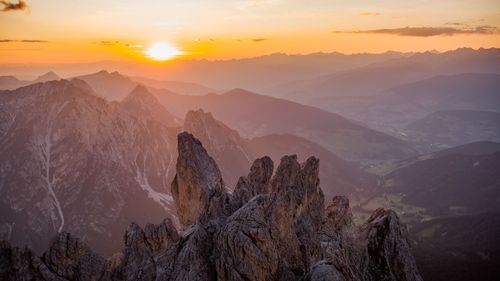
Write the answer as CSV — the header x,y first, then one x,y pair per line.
x,y
162,52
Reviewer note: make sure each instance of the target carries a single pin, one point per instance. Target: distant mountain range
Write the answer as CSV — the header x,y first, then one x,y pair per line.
x,y
385,92
255,74
264,115
393,111
112,85
256,115
11,82
378,78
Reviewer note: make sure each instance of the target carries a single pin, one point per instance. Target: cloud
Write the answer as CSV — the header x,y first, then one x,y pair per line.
x,y
22,41
109,43
21,5
429,31
456,23
33,41
369,14
256,40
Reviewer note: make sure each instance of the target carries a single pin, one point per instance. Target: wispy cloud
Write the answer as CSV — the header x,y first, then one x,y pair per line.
x,y
117,43
33,41
369,14
259,39
109,43
456,23
429,31
8,6
23,41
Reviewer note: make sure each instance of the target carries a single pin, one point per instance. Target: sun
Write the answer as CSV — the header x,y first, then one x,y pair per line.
x,y
162,51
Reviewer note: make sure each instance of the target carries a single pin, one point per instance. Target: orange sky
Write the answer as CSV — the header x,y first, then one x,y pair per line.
x,y
96,30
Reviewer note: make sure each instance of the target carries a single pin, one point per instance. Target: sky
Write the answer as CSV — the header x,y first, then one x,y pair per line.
x,y
61,31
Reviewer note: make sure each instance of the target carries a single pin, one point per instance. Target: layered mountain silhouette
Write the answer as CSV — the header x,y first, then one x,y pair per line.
x,y
256,115
382,76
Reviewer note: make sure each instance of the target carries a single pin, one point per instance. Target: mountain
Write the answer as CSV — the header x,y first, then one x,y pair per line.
x,y
223,143
115,86
377,78
234,154
443,129
255,115
399,106
96,165
184,88
11,82
49,76
458,248
111,86
449,184
142,104
270,228
474,148
256,73
72,161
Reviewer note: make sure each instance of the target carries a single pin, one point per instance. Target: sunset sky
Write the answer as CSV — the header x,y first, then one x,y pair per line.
x,y
60,31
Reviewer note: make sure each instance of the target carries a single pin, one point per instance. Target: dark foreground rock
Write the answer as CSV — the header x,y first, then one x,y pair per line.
x,y
269,228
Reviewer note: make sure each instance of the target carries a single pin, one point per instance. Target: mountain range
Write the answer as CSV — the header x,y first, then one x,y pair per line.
x,y
82,158
94,164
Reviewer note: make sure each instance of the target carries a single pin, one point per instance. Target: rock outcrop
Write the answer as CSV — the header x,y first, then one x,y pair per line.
x,y
198,179
269,228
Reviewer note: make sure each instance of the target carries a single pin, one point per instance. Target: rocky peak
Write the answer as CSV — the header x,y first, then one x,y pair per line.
x,y
388,247
223,143
70,258
47,77
144,105
210,131
197,180
286,173
338,214
256,182
136,260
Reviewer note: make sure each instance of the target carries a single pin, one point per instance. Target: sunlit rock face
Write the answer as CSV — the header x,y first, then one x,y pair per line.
x,y
198,179
271,228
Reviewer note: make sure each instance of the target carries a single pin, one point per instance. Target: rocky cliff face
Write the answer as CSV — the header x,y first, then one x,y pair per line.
x,y
270,228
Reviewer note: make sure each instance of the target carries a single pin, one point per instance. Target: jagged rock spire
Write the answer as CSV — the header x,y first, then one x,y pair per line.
x,y
197,180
